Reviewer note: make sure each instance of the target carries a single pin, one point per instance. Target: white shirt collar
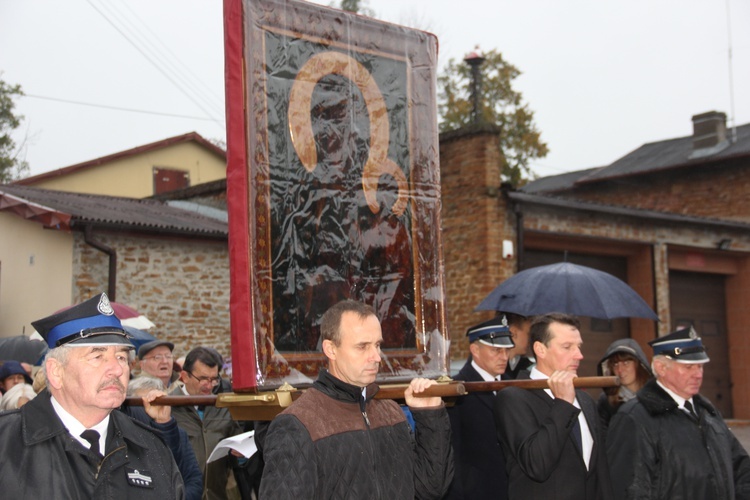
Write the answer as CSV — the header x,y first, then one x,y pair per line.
x,y
513,362
484,373
76,428
535,374
677,398
587,440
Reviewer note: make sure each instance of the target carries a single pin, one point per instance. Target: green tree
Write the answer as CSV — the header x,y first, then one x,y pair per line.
x,y
356,6
499,105
11,166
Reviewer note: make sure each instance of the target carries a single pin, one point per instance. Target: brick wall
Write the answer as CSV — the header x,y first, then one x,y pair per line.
x,y
182,285
708,190
475,221
476,218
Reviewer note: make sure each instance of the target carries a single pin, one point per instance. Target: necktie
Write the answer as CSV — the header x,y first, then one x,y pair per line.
x,y
92,437
691,410
576,433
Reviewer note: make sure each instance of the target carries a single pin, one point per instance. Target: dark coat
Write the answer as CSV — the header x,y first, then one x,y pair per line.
x,y
520,371
179,444
657,451
542,459
42,460
204,435
332,444
479,461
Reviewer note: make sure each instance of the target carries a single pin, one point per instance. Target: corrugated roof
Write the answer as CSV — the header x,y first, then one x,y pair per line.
x,y
557,182
52,208
207,188
669,154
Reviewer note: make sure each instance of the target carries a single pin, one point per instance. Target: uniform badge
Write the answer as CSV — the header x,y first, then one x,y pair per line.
x,y
104,306
140,478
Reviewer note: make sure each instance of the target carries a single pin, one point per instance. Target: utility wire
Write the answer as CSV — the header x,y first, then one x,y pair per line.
x,y
81,103
217,99
157,66
142,35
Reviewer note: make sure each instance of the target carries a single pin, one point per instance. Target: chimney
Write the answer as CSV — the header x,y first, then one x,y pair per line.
x,y
709,131
474,61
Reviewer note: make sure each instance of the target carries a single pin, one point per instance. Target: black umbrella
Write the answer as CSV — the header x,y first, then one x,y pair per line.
x,y
22,349
567,288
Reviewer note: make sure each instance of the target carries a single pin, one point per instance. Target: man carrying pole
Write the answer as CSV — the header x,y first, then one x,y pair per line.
x,y
551,437
480,465
336,441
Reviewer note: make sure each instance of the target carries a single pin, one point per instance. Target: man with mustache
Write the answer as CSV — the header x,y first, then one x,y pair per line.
x,y
67,442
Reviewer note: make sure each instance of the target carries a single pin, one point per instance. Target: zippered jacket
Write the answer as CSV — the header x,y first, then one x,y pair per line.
x,y
332,443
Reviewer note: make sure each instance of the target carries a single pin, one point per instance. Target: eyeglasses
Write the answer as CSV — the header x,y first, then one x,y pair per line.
x,y
161,357
202,380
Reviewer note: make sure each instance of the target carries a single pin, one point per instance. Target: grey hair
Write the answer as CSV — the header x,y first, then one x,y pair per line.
x,y
61,354
144,382
659,357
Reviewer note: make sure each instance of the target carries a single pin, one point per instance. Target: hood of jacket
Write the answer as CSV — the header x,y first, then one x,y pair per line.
x,y
622,346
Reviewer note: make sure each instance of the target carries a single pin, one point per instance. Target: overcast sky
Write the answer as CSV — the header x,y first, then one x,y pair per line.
x,y
602,76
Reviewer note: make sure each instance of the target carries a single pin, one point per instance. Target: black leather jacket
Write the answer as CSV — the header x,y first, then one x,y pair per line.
x,y
42,460
656,451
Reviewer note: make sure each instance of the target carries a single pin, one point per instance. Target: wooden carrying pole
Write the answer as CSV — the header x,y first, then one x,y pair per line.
x,y
459,388
391,391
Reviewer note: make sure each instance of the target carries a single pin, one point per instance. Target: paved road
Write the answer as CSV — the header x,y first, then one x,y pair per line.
x,y
741,429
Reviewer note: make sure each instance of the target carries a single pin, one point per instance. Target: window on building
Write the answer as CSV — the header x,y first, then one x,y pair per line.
x,y
170,179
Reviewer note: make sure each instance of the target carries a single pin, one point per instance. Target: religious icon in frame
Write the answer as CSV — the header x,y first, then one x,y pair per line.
x,y
333,188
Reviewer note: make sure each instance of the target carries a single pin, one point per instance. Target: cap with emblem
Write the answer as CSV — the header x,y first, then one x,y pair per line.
x,y
683,346
89,323
494,332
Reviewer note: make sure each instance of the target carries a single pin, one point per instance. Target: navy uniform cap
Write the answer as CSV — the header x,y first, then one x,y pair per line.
x,y
684,346
494,332
90,323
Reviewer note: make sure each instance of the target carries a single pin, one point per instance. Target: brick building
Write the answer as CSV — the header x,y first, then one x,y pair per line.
x,y
671,219
167,260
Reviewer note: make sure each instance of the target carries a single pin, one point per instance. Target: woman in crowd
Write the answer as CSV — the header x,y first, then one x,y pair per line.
x,y
15,384
625,359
